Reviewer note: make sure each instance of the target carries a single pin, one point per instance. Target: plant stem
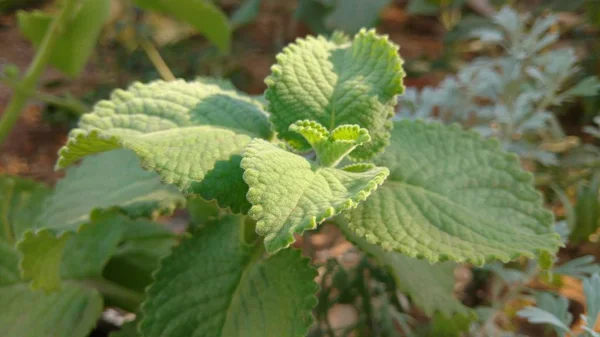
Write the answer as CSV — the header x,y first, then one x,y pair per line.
x,y
158,62
37,66
116,294
75,105
503,301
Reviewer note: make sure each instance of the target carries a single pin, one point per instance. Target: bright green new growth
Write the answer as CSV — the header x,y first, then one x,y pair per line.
x,y
42,254
334,84
452,195
290,194
331,147
217,285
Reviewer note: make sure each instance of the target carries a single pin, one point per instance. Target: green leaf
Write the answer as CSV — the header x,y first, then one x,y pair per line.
x,y
42,254
580,267
429,286
108,180
331,147
335,84
71,312
557,306
215,284
203,15
191,133
21,201
77,40
48,259
540,316
586,210
290,194
452,195
352,15
143,244
9,264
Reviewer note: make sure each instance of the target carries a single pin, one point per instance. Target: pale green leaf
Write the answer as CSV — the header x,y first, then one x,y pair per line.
x,y
429,286
216,285
108,180
540,316
72,312
77,39
591,287
452,195
289,194
191,133
557,306
335,84
42,254
21,201
203,15
352,15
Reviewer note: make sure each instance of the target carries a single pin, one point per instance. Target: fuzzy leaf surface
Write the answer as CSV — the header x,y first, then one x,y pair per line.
x,y
190,133
215,284
334,84
76,41
107,180
452,195
429,286
290,194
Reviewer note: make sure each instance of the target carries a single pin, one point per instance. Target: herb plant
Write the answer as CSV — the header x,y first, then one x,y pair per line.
x,y
324,147
511,96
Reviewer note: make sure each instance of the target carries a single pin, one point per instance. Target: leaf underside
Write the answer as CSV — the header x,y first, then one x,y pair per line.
x,y
335,84
107,180
190,133
290,194
215,285
452,195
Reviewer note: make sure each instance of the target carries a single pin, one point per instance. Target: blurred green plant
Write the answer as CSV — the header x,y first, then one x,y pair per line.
x,y
510,96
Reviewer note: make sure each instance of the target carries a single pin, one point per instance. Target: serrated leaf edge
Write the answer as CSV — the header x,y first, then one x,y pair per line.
x,y
468,311
277,74
527,179
256,210
308,302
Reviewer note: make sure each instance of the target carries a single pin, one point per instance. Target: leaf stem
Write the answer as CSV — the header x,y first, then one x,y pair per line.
x,y
37,66
157,60
75,105
116,294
